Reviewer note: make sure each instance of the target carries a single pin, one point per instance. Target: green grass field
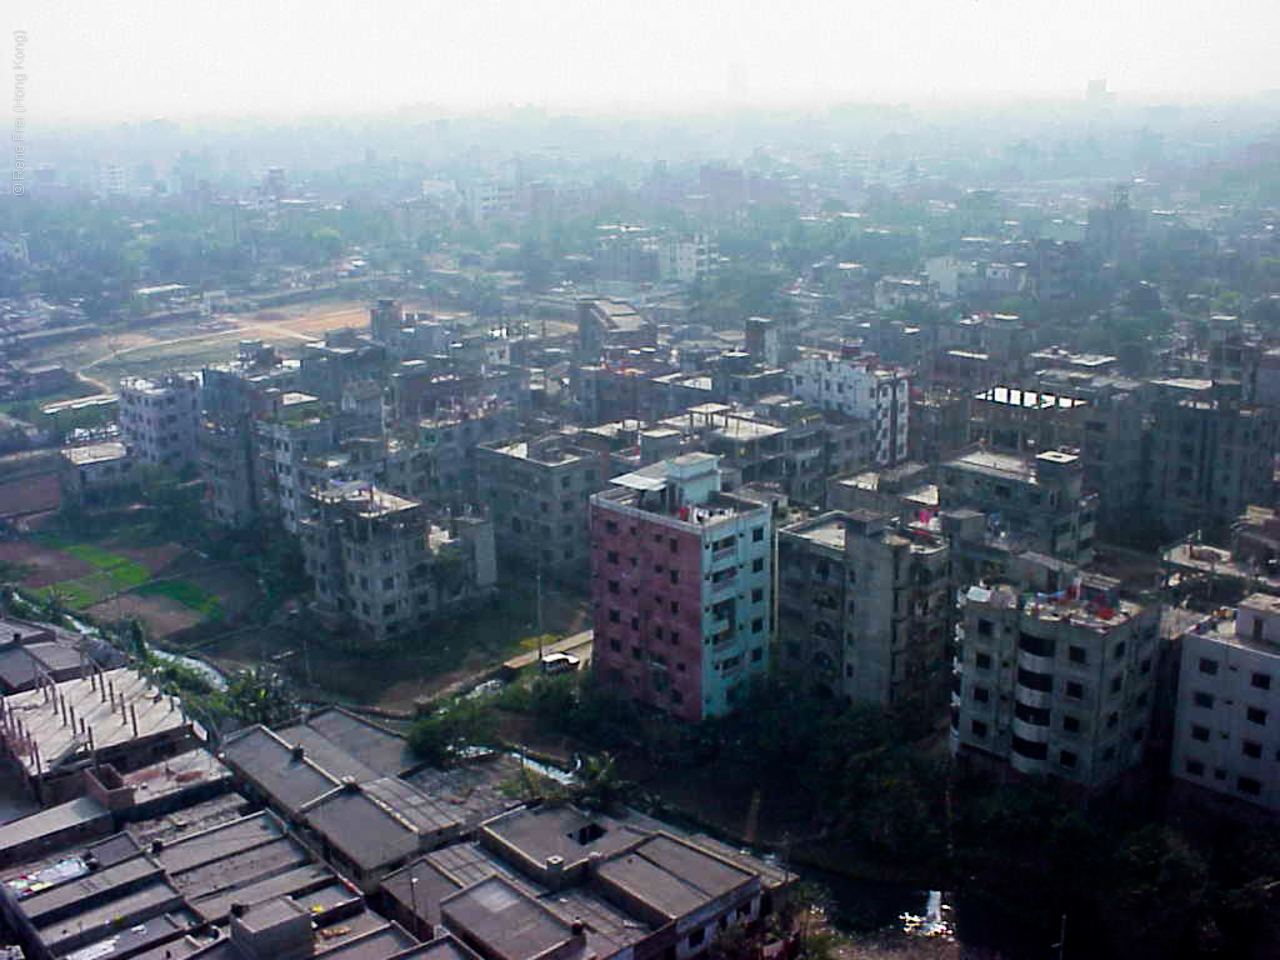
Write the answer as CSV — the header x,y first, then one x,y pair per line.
x,y
115,574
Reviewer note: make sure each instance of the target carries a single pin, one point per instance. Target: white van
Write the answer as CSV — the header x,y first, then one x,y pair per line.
x,y
560,663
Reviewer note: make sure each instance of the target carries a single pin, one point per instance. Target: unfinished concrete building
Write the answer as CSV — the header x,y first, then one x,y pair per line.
x,y
865,609
536,491
380,564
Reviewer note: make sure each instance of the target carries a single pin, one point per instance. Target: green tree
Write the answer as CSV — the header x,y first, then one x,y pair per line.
x,y
443,737
258,696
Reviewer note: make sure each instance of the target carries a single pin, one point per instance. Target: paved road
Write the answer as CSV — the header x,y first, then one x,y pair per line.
x,y
579,645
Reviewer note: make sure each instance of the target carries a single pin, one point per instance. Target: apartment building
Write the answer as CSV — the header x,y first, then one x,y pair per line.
x,y
536,491
1057,679
1112,437
1037,504
1210,457
294,427
856,384
233,395
159,419
1227,727
682,586
605,324
380,564
865,609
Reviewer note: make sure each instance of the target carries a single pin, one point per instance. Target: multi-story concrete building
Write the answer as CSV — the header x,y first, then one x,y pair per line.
x,y
233,395
536,491
1058,682
159,419
293,428
380,564
98,473
1035,503
1211,457
682,585
865,609
855,384
605,324
1112,438
1227,727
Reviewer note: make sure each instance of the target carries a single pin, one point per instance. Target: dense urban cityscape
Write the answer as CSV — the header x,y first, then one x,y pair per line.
x,y
509,534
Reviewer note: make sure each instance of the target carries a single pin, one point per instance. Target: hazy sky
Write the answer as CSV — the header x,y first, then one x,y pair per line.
x,y
93,59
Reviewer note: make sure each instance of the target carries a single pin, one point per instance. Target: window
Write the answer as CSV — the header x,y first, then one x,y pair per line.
x,y
1077,655
613,586
757,654
983,661
1067,758
757,534
612,556
1262,681
757,596
1251,749
675,545
1202,699
757,565
1199,733
635,653
1208,666
757,625
1116,684
1256,715
1071,724
615,645
979,728
1249,786
611,526
1075,690
1195,768
615,616
981,694
1119,651
1146,665
1112,720
675,637
675,576
986,628
696,938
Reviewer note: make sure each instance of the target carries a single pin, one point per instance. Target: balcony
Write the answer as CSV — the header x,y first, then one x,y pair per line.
x,y
1032,698
1030,732
724,585
1029,661
1026,764
726,553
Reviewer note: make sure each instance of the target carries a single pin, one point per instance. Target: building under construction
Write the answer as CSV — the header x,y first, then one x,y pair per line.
x,y
382,567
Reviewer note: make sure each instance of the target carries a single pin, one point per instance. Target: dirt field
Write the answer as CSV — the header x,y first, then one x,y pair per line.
x,y
106,359
28,495
47,566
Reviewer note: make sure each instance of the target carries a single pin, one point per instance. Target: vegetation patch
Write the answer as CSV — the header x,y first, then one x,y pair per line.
x,y
187,594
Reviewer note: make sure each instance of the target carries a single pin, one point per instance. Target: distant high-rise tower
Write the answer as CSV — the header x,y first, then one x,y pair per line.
x,y
1096,92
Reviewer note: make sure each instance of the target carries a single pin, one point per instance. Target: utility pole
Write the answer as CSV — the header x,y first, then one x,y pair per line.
x,y
539,625
1061,945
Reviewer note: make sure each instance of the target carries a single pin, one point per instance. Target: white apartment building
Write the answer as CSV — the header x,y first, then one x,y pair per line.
x,y
855,383
159,419
1227,730
683,259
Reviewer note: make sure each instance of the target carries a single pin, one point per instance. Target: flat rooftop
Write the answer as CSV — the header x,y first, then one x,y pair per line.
x,y
510,924
51,741
96,453
671,877
1029,399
